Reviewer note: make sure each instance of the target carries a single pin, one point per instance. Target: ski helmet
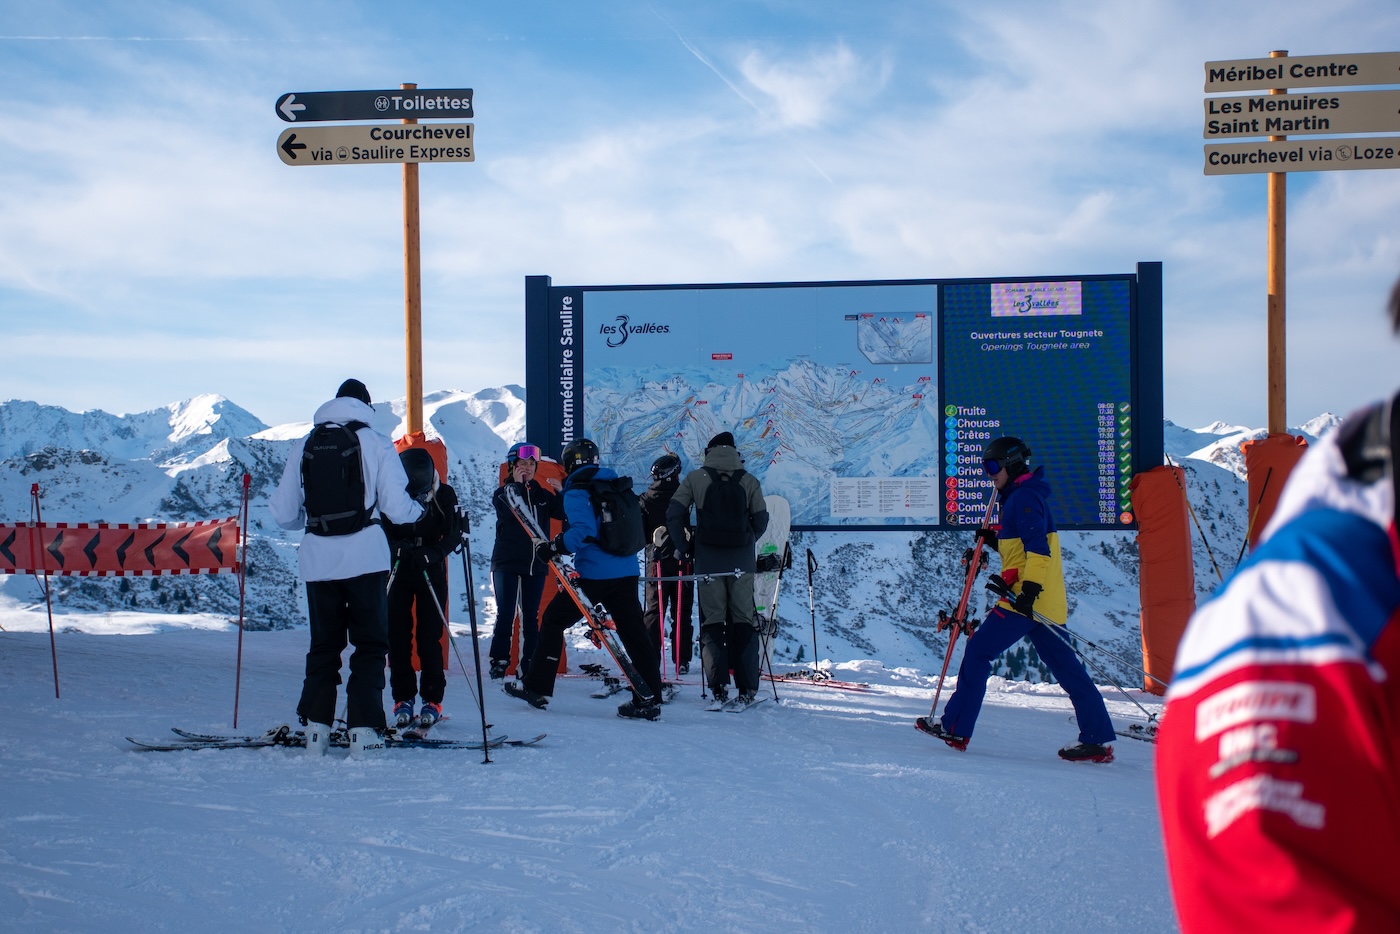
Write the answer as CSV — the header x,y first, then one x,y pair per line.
x,y
422,472
1007,452
665,466
522,451
578,454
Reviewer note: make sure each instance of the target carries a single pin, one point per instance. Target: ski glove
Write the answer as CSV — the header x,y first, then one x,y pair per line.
x,y
1026,599
548,549
685,548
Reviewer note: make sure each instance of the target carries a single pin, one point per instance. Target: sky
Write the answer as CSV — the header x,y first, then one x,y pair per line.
x,y
154,247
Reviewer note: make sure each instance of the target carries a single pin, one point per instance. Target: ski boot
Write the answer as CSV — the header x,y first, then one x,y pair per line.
x,y
516,689
430,714
498,668
366,742
318,738
638,709
936,729
403,714
1087,752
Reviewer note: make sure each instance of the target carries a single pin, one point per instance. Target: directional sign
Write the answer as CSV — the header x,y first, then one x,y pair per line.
x,y
366,144
1323,155
1305,71
419,104
1302,114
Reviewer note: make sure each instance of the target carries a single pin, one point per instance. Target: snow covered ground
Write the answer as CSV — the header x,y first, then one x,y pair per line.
x,y
826,812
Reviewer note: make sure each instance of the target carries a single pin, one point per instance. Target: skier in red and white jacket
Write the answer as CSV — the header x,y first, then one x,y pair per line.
x,y
1278,760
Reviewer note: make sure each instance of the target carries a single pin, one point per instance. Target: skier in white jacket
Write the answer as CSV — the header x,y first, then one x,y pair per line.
x,y
344,559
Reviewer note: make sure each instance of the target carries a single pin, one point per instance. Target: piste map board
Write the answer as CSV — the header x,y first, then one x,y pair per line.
x,y
865,404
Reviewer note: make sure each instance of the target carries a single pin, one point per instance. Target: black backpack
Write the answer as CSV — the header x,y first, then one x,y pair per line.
x,y
619,515
722,521
333,480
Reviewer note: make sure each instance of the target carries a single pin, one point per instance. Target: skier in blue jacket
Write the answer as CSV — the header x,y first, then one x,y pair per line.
x,y
1029,547
606,578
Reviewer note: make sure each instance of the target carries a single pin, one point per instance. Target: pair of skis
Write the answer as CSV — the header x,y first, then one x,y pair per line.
x,y
285,737
595,615
820,679
957,622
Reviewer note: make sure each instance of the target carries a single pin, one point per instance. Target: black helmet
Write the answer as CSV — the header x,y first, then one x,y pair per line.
x,y
422,472
578,454
1007,452
667,465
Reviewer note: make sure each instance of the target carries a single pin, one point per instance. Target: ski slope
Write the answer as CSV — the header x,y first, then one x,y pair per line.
x,y
825,812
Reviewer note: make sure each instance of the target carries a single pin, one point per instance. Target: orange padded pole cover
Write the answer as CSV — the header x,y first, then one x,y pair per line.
x,y
1166,569
1267,463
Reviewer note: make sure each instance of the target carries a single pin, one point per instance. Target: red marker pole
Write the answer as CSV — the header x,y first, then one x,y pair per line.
x,y
242,589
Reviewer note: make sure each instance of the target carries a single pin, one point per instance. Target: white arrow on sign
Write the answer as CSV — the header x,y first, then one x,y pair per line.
x,y
289,108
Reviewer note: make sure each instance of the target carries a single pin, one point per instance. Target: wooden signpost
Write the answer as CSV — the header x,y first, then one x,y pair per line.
x,y
1279,115
408,142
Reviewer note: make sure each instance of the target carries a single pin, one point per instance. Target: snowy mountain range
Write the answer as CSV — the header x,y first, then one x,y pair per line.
x,y
874,596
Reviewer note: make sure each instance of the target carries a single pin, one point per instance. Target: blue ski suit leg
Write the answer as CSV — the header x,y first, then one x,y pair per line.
x,y
1089,708
1001,630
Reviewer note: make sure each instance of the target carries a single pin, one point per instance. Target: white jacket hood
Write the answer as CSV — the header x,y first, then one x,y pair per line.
x,y
342,410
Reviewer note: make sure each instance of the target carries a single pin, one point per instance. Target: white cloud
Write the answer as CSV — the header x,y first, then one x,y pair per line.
x,y
811,91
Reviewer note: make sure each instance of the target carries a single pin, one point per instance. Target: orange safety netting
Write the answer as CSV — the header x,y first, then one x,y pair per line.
x,y
1267,463
1166,570
134,549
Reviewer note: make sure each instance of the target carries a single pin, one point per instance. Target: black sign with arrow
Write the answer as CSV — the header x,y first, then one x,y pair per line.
x,y
396,104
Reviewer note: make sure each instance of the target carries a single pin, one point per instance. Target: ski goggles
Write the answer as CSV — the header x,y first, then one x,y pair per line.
x,y
991,467
523,452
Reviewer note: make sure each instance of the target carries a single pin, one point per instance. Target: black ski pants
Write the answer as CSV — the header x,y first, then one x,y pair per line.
x,y
661,599
410,590
353,610
529,588
726,646
619,597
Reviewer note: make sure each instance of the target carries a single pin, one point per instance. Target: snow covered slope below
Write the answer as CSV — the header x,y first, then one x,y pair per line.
x,y
826,812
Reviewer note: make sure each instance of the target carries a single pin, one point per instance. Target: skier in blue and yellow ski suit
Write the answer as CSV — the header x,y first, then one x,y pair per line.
x,y
1029,548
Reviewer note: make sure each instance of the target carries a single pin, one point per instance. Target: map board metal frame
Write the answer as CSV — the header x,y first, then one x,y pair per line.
x,y
1091,409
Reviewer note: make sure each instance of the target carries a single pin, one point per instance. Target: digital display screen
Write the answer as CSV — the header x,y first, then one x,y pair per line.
x,y
864,404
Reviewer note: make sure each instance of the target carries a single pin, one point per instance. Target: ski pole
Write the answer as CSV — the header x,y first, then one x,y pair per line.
x,y
999,587
1005,593
393,573
1249,530
471,615
811,607
1090,662
661,619
450,637
36,517
770,629
678,630
701,578
1192,510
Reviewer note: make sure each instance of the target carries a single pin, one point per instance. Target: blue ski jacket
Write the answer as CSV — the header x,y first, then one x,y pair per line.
x,y
1029,545
581,529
